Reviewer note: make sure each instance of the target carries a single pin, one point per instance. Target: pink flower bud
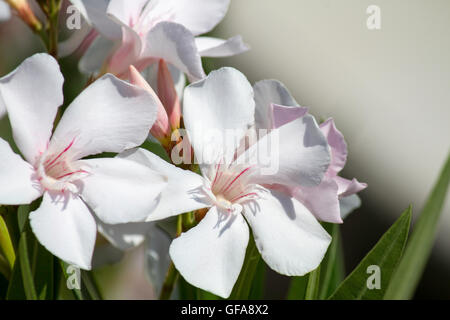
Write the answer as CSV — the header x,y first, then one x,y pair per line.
x,y
25,13
161,128
168,95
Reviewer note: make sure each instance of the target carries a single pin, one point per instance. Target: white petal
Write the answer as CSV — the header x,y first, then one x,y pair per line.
x,y
125,236
348,204
127,12
5,12
210,255
199,16
110,115
184,191
95,12
291,241
175,44
297,153
121,191
68,46
95,56
32,102
266,93
217,112
65,226
18,184
214,47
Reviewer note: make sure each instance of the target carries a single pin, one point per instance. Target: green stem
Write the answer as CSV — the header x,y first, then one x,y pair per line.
x,y
312,289
169,282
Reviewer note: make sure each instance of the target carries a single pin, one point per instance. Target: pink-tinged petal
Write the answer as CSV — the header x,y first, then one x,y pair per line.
x,y
32,102
95,13
161,128
216,48
96,54
110,115
184,192
79,38
65,226
199,16
127,54
5,11
286,114
296,154
127,12
291,241
337,144
217,112
348,204
268,92
322,201
176,45
210,255
179,78
121,191
348,187
168,95
18,185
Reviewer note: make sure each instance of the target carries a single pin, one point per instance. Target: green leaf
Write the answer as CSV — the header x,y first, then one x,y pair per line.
x,y
258,287
297,290
332,264
312,287
43,272
21,285
6,245
418,250
241,290
77,294
385,254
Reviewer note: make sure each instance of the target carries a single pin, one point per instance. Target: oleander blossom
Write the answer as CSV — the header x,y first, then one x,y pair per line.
x,y
141,32
109,116
236,188
335,197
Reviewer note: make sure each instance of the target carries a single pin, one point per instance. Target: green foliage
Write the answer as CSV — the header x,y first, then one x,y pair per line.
x,y
385,254
418,250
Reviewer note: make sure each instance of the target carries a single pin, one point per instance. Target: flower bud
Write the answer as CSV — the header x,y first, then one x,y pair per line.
x,y
168,95
161,128
25,13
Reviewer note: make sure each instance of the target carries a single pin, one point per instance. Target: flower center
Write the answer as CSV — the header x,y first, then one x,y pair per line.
x,y
57,171
230,185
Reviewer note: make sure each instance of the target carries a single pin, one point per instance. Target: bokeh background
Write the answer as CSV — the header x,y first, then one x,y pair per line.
x,y
388,91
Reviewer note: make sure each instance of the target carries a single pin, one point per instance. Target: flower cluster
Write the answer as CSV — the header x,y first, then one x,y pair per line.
x,y
259,164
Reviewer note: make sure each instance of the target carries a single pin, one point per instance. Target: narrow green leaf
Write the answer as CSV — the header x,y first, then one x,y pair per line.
x,y
43,271
91,285
297,290
6,245
331,262
418,250
241,290
312,287
4,268
259,281
25,266
383,257
71,276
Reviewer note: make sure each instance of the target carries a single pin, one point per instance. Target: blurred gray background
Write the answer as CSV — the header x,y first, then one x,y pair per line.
x,y
388,91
